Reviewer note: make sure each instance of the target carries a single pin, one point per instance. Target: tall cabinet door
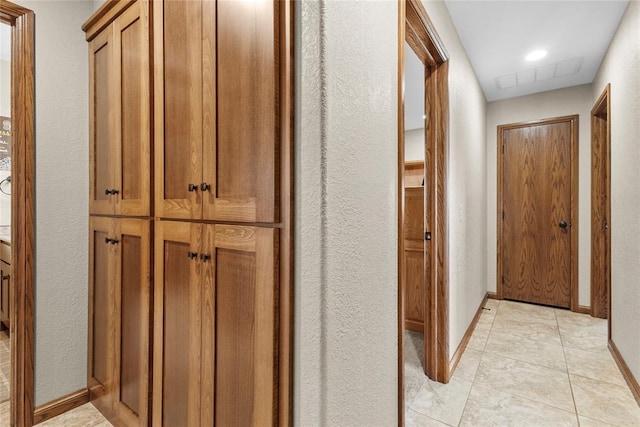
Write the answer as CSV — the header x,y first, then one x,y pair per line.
x,y
132,307
101,117
132,132
101,321
240,154
177,314
178,108
242,370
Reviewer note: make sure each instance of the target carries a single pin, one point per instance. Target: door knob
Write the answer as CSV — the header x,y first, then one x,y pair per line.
x,y
205,187
193,187
205,257
563,224
192,255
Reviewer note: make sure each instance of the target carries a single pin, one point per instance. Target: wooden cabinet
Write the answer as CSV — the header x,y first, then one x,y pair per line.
x,y
5,285
120,119
119,318
414,261
217,111
216,294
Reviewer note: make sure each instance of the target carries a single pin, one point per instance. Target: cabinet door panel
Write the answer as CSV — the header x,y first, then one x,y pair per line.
x,y
100,123
177,325
101,324
245,324
240,157
132,123
178,103
132,308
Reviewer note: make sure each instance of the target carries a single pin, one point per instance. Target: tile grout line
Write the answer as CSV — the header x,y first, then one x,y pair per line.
x,y
573,397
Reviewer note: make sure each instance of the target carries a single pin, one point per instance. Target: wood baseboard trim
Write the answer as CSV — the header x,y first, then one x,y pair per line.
x,y
583,309
492,295
453,364
414,326
626,372
60,406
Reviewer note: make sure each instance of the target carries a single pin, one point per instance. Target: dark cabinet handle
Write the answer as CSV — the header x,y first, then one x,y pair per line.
x,y
7,277
108,240
192,255
114,191
205,257
107,192
193,187
114,241
562,224
205,187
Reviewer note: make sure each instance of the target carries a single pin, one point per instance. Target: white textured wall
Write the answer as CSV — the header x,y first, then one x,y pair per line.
x,y
62,182
346,219
414,144
467,181
621,68
555,103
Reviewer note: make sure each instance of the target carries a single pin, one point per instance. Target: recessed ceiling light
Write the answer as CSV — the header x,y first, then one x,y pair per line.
x,y
535,55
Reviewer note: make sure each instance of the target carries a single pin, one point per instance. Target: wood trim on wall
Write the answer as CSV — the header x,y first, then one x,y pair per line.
x,y
22,215
573,119
600,164
467,337
626,372
60,406
415,27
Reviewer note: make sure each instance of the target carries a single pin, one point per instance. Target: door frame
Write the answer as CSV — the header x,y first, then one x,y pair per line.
x,y
573,279
415,27
22,307
601,163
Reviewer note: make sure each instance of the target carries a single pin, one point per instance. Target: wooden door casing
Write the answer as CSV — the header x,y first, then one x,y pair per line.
x,y
178,107
601,206
132,119
538,191
101,124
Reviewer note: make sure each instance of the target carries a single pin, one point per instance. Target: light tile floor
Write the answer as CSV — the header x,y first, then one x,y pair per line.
x,y
525,365
5,370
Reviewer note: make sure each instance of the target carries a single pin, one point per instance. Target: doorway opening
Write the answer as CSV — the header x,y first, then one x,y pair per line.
x,y
538,212
601,206
423,303
22,237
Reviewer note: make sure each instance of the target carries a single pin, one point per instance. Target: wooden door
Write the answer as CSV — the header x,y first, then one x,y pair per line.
x,y
537,212
241,166
414,277
601,206
101,320
177,321
178,93
132,321
242,373
5,295
101,119
132,133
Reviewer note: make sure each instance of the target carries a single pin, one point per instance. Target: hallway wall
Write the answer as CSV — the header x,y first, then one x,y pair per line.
x,y
346,359
555,103
62,156
466,181
621,68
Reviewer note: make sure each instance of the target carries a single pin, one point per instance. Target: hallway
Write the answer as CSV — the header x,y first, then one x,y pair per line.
x,y
525,365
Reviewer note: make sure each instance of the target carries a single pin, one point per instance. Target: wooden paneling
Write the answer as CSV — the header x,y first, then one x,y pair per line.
x,y
414,277
132,308
178,108
246,301
5,295
414,174
132,121
243,166
101,117
536,199
601,206
101,319
177,311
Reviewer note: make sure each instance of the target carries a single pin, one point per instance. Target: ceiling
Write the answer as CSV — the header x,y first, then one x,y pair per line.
x,y
497,35
5,42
